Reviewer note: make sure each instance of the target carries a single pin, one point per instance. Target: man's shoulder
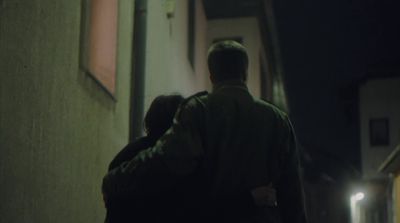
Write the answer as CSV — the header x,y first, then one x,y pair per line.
x,y
131,149
199,95
267,106
193,105
196,99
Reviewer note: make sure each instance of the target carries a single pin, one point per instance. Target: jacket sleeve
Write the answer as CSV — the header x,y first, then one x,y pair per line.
x,y
290,192
175,155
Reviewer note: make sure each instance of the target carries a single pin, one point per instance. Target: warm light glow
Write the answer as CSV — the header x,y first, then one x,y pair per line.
x,y
102,42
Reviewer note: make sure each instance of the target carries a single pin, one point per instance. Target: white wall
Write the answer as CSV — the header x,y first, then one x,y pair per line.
x,y
58,127
168,69
379,98
248,29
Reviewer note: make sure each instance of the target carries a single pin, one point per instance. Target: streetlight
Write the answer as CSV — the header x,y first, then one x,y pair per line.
x,y
358,196
355,209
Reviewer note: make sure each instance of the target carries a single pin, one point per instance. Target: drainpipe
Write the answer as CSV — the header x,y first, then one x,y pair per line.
x,y
139,69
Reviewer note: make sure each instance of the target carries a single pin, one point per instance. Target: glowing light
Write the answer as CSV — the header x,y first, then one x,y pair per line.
x,y
355,208
358,196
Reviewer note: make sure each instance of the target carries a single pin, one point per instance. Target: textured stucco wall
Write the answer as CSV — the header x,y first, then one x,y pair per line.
x,y
58,128
248,29
168,69
378,99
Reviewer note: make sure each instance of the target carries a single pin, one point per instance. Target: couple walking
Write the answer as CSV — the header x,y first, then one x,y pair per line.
x,y
225,157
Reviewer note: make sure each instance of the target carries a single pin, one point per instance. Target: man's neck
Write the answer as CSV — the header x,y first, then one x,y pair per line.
x,y
229,83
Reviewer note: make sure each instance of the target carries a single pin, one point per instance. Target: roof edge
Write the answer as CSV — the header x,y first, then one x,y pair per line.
x,y
392,162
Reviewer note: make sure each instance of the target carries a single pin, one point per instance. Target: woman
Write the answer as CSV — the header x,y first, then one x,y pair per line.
x,y
157,121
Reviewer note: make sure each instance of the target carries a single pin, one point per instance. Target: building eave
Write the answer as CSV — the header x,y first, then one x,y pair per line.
x,y
220,9
392,163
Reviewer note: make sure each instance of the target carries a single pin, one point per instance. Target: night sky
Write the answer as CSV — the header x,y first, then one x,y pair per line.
x,y
327,47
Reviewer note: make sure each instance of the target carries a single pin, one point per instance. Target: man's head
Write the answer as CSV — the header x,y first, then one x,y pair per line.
x,y
227,60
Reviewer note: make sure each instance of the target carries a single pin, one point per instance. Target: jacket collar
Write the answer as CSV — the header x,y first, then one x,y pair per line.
x,y
230,84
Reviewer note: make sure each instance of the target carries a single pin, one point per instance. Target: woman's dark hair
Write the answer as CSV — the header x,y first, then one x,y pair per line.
x,y
228,60
161,113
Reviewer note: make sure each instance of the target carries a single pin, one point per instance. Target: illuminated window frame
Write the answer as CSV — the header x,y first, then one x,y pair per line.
x,y
99,42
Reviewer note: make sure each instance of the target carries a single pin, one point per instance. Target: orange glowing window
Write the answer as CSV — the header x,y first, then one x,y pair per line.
x,y
101,42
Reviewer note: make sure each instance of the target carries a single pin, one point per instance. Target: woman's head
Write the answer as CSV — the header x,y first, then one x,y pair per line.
x,y
161,113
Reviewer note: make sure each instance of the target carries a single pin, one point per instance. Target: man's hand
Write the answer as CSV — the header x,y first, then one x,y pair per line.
x,y
264,196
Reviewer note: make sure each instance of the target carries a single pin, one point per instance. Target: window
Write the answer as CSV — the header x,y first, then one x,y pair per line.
x,y
100,41
379,132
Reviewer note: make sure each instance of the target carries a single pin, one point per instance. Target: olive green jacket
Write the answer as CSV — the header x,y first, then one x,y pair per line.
x,y
233,142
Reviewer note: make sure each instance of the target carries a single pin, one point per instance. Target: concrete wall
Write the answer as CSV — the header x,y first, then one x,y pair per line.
x,y
168,69
248,29
58,128
379,98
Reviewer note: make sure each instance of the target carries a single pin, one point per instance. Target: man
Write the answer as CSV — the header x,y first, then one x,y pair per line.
x,y
220,145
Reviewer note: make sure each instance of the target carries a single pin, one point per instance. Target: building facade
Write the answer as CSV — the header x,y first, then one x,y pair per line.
x,y
60,124
379,107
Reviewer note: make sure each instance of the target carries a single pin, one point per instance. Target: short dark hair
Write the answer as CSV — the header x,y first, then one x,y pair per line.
x,y
228,60
160,115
